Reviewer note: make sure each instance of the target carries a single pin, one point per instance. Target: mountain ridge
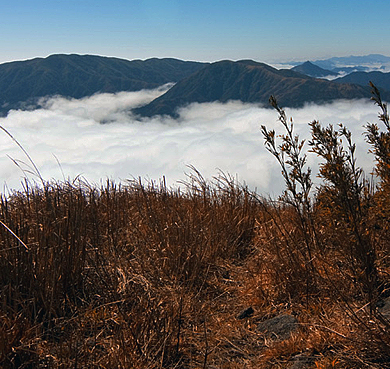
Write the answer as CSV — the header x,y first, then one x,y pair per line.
x,y
22,83
379,79
249,81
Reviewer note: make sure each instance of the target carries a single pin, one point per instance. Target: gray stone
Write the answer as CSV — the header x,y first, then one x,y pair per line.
x,y
384,307
279,327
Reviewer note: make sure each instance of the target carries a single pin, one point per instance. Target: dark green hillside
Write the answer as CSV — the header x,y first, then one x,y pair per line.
x,y
23,82
381,80
252,82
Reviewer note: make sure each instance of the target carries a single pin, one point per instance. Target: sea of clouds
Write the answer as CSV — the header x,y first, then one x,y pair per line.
x,y
97,138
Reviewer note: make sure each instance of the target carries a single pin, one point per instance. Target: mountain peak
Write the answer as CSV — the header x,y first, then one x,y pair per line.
x,y
310,69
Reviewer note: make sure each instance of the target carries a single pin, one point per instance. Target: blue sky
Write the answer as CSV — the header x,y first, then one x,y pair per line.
x,y
268,31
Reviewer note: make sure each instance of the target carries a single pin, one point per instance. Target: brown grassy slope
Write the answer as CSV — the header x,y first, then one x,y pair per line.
x,y
148,277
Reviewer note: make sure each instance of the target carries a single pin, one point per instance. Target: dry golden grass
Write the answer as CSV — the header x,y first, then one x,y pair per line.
x,y
143,276
148,277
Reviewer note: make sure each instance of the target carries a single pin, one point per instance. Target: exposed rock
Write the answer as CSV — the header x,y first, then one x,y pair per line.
x,y
384,307
246,313
279,327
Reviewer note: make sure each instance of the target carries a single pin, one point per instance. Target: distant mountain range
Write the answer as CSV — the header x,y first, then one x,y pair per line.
x,y
349,64
23,83
357,69
360,63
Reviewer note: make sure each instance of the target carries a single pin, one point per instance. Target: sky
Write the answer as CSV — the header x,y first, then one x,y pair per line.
x,y
203,30
66,140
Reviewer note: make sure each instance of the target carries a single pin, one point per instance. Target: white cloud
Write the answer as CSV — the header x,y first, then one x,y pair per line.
x,y
210,136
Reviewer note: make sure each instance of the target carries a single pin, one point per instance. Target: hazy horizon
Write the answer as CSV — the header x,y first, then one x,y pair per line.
x,y
288,63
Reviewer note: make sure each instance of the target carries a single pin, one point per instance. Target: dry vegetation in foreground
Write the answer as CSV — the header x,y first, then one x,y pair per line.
x,y
144,276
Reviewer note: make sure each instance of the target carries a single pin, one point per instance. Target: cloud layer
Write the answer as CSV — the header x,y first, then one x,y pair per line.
x,y
98,138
